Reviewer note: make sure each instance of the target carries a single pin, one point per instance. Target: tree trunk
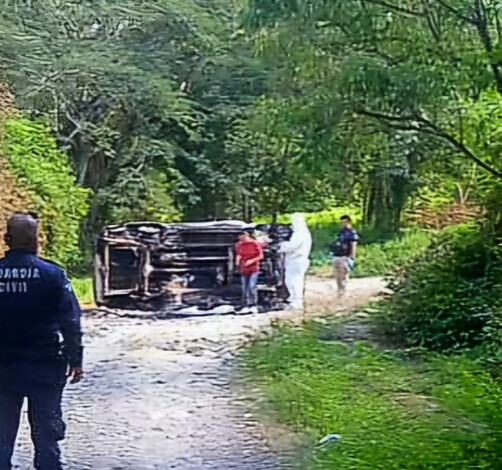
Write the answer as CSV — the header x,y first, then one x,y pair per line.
x,y
385,203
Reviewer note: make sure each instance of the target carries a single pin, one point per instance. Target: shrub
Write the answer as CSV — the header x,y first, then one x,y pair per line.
x,y
83,288
450,298
33,156
379,259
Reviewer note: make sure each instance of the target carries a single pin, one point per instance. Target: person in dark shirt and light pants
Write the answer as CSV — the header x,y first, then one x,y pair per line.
x,y
343,251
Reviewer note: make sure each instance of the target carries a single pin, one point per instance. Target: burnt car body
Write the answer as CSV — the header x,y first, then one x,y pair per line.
x,y
169,267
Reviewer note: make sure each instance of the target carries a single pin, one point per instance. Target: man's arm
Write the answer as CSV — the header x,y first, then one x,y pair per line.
x,y
353,244
237,255
71,329
260,252
294,244
258,257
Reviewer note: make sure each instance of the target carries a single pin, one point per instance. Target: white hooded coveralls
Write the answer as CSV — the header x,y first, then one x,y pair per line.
x,y
297,252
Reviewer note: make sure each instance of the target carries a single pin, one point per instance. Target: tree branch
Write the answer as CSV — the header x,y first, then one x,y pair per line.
x,y
405,11
484,33
457,13
421,124
430,21
375,51
499,27
480,22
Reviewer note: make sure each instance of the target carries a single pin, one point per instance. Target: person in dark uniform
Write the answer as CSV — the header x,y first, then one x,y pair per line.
x,y
343,253
40,344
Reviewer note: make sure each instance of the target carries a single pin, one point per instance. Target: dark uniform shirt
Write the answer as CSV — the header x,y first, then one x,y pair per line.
x,y
40,329
348,236
342,246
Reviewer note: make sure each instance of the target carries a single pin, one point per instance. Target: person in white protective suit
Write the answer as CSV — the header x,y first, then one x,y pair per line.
x,y
297,252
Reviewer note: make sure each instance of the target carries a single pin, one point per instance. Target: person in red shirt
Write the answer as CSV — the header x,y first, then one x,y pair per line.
x,y
249,253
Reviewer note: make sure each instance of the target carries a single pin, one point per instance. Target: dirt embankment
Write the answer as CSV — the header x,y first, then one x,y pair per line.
x,y
13,197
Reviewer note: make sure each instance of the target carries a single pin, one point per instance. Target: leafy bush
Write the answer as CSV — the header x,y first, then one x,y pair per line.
x,y
392,412
34,157
450,299
380,259
83,290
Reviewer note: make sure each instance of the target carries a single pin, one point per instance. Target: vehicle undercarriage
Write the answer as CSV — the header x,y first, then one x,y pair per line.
x,y
177,268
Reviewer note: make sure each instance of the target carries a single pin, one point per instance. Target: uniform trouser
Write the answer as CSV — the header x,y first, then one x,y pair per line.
x,y
294,277
341,271
46,422
249,289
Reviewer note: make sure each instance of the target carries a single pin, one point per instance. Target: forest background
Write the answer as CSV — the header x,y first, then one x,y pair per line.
x,y
168,110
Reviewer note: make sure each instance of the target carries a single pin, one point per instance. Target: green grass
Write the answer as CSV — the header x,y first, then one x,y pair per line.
x,y
83,290
392,411
378,259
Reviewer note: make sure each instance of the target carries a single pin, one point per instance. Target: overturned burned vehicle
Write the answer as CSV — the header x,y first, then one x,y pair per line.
x,y
177,268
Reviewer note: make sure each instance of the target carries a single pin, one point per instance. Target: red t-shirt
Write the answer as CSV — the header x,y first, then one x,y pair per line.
x,y
247,251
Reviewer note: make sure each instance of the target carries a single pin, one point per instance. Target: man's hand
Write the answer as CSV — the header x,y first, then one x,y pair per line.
x,y
250,262
75,374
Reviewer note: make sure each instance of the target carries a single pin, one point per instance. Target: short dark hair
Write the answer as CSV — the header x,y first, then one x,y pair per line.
x,y
31,214
346,217
22,231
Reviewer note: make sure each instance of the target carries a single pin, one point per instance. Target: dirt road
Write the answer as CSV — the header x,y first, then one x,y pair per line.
x,y
158,395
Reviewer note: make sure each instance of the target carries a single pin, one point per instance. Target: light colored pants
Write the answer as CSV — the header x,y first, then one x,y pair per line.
x,y
296,269
341,270
249,289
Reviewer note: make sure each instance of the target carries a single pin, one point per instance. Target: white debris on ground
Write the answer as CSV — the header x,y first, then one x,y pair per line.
x,y
158,396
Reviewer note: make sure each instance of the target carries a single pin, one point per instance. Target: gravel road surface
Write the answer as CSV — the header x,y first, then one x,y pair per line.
x,y
158,393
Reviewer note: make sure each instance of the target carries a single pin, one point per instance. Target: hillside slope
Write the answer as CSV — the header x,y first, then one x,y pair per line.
x,y
13,197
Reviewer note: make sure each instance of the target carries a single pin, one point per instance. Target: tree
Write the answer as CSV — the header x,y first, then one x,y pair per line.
x,y
114,77
401,70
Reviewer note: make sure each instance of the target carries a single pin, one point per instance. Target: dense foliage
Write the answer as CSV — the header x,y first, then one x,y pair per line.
x,y
451,298
387,110
255,108
401,96
34,157
13,197
190,108
139,95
